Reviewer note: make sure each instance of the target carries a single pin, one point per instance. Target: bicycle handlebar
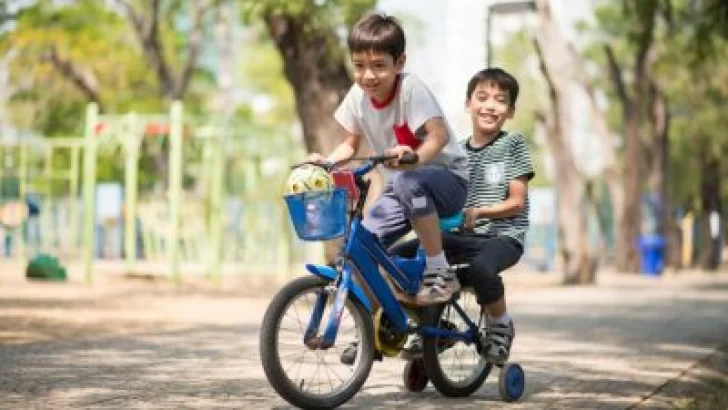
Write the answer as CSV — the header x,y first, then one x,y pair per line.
x,y
371,162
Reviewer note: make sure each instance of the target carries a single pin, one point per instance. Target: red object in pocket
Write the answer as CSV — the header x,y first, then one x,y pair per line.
x,y
405,136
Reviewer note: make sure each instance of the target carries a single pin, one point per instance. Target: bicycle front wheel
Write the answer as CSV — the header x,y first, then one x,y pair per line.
x,y
307,377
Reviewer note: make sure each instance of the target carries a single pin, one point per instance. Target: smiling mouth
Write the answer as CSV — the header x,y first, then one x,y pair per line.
x,y
489,118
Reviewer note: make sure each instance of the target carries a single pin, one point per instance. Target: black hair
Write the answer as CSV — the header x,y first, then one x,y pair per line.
x,y
380,33
498,76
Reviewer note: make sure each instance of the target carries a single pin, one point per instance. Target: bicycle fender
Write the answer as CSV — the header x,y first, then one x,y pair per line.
x,y
329,273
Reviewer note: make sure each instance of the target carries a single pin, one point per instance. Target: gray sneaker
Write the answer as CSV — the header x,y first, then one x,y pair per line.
x,y
412,350
348,356
438,286
497,342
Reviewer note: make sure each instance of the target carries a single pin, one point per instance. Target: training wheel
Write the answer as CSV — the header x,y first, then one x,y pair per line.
x,y
511,382
414,376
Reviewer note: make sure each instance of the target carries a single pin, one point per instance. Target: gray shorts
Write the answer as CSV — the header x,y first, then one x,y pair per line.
x,y
413,194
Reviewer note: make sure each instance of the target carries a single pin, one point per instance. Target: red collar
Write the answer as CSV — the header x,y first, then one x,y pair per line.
x,y
383,104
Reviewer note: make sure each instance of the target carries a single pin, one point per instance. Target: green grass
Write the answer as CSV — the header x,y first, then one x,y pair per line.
x,y
714,398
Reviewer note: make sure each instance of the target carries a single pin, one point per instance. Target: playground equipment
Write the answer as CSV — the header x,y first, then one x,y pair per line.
x,y
49,168
187,227
216,209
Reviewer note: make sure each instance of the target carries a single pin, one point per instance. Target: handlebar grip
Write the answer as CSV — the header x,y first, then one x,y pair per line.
x,y
409,158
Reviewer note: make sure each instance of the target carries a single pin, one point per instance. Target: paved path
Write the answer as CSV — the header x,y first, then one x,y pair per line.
x,y
604,347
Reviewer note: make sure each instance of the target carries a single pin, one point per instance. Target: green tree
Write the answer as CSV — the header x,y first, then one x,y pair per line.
x,y
647,48
699,95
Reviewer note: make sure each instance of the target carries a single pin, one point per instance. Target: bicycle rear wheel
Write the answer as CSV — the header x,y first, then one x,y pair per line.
x,y
313,378
455,368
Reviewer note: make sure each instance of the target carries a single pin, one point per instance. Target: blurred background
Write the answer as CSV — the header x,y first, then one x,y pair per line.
x,y
153,136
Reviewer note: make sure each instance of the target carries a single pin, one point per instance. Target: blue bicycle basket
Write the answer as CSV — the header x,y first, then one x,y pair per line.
x,y
318,215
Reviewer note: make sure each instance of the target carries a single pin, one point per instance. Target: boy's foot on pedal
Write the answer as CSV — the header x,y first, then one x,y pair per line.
x,y
438,286
348,356
497,342
412,349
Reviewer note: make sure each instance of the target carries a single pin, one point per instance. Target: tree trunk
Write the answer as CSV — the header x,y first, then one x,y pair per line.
x,y
660,119
317,72
551,46
627,258
633,102
710,188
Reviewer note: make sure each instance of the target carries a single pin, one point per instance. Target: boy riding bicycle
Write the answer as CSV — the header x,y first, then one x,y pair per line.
x,y
398,115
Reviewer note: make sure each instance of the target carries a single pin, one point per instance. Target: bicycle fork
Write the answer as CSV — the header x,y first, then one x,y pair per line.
x,y
341,292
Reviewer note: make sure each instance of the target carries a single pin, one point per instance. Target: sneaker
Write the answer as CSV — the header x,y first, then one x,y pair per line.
x,y
438,286
412,350
348,356
497,343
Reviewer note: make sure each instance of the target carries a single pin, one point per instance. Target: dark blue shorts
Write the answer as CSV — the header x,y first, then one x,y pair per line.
x,y
413,194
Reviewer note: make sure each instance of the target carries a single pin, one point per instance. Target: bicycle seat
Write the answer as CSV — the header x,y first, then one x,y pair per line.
x,y
448,223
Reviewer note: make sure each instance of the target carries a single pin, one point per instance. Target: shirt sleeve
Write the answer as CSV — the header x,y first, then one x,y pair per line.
x,y
518,162
420,104
346,114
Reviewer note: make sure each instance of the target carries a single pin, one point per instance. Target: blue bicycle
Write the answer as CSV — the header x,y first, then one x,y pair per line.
x,y
313,320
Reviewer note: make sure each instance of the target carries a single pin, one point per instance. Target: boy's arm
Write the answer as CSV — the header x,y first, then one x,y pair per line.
x,y
346,149
436,140
519,170
511,206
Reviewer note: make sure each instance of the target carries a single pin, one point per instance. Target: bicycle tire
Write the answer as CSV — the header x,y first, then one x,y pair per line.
x,y
270,358
432,349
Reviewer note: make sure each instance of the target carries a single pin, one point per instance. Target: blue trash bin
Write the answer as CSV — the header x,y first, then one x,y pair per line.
x,y
652,254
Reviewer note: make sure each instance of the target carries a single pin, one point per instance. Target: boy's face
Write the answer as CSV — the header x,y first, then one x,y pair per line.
x,y
375,72
489,107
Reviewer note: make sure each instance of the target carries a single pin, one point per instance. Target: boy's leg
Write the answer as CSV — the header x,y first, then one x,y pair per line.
x,y
496,255
459,249
424,193
386,218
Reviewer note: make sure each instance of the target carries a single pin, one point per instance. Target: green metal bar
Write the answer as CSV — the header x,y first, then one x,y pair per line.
x,y
3,150
45,220
175,189
22,193
216,196
131,141
75,159
89,187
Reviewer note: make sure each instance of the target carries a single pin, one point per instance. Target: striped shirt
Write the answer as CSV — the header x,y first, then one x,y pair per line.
x,y
491,168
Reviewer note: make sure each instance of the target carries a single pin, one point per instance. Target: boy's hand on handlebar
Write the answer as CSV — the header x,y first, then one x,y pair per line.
x,y
316,158
399,152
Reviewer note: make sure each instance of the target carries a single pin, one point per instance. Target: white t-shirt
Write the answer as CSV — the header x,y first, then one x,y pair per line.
x,y
400,122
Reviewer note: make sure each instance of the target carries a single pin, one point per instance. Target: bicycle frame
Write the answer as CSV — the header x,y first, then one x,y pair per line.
x,y
362,253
